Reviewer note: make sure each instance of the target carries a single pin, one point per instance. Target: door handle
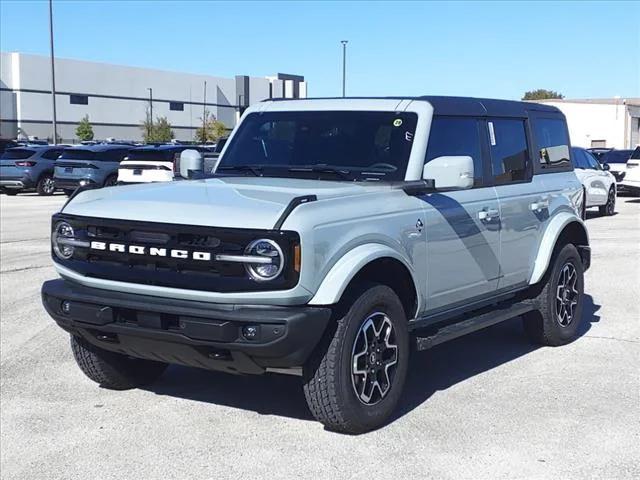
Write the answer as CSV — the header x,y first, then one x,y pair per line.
x,y
539,205
487,214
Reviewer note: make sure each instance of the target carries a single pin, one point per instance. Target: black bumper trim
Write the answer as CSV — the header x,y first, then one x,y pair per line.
x,y
187,332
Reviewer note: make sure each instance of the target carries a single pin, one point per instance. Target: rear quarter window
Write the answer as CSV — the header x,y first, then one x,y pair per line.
x,y
552,144
17,154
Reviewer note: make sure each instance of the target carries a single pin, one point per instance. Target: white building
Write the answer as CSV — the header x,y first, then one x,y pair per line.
x,y
116,97
602,122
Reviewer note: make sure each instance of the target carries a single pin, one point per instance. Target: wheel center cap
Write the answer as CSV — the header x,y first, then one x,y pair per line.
x,y
565,295
372,358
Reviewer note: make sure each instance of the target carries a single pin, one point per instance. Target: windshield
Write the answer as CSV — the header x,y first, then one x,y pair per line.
x,y
166,155
315,144
111,155
616,156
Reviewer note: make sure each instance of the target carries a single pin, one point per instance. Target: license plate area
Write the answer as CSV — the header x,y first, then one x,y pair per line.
x,y
137,171
68,169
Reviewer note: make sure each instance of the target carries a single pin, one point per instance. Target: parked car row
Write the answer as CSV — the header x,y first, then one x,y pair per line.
x,y
47,168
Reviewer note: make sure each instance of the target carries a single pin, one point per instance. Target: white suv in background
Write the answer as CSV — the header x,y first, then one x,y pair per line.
x,y
631,181
599,184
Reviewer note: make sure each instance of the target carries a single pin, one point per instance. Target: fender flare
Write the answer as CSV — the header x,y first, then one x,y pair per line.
x,y
347,267
548,243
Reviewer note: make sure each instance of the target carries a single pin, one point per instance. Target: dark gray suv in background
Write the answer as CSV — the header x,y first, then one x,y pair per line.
x,y
95,165
29,168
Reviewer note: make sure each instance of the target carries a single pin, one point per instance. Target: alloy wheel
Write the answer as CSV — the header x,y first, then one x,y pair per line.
x,y
48,186
374,359
611,202
567,294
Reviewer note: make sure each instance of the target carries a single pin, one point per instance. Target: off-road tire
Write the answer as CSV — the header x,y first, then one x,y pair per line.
x,y
45,187
328,383
609,208
113,370
542,325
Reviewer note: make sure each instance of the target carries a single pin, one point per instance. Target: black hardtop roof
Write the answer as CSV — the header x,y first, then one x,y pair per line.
x,y
468,106
36,147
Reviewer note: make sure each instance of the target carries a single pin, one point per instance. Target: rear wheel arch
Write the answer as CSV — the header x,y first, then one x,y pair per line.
x,y
565,231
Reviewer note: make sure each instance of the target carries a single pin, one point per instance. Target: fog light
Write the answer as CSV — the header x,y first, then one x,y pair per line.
x,y
250,332
65,307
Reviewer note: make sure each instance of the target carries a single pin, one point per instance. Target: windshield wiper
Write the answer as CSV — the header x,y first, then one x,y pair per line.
x,y
343,173
255,169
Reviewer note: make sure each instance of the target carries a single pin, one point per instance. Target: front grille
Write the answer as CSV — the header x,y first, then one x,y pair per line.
x,y
167,271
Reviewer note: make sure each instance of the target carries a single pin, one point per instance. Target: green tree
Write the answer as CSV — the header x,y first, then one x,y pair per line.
x,y
158,131
210,130
541,94
84,131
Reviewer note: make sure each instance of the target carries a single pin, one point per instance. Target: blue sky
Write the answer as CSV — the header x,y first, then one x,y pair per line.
x,y
497,49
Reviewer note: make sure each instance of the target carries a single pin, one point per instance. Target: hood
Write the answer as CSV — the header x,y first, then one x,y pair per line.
x,y
232,202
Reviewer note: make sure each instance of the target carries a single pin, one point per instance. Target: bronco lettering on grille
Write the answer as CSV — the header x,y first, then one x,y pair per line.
x,y
151,251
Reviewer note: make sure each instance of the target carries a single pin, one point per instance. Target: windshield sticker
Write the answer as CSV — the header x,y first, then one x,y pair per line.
x,y
397,122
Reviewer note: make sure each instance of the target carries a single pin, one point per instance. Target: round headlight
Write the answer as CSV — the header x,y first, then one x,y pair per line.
x,y
61,232
274,259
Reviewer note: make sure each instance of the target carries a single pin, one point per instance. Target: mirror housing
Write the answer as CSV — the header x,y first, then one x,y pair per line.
x,y
450,172
606,167
191,161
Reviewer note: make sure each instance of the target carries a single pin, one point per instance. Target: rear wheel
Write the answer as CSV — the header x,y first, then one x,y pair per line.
x,y
46,185
113,370
558,313
355,378
610,207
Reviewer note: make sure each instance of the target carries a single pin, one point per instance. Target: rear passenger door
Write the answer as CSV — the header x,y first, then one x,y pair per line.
x,y
462,226
521,196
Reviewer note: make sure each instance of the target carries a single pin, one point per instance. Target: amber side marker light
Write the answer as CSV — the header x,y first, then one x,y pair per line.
x,y
296,257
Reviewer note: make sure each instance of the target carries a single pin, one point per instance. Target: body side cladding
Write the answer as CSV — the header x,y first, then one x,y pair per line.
x,y
551,235
336,281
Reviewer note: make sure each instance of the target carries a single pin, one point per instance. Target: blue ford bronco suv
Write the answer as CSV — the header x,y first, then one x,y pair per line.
x,y
334,237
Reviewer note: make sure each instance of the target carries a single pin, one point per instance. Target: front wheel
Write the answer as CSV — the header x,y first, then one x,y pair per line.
x,y
610,207
113,370
558,304
355,378
46,186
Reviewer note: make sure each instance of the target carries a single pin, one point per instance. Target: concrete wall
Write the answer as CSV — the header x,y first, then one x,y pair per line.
x,y
118,97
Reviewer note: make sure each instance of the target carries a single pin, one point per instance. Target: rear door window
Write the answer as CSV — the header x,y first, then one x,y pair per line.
x,y
457,136
51,154
509,151
552,141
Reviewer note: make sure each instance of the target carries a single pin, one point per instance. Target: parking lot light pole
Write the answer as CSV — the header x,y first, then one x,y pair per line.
x,y
53,74
150,125
344,66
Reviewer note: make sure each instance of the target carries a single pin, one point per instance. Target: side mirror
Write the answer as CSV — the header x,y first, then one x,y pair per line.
x,y
191,161
450,172
606,167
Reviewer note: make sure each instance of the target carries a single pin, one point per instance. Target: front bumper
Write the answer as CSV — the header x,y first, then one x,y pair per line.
x,y
187,332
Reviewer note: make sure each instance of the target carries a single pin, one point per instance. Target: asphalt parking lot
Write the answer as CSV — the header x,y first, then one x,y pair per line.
x,y
484,407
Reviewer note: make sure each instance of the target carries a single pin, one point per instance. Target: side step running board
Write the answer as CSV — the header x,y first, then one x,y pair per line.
x,y
471,324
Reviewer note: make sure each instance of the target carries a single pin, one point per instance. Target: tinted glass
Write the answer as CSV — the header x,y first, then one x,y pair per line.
x,y
220,145
616,156
509,152
165,155
17,153
636,154
579,159
552,143
51,154
456,136
83,154
591,160
360,145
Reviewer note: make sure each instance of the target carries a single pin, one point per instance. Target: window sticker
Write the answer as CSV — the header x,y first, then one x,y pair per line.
x,y
492,134
397,122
